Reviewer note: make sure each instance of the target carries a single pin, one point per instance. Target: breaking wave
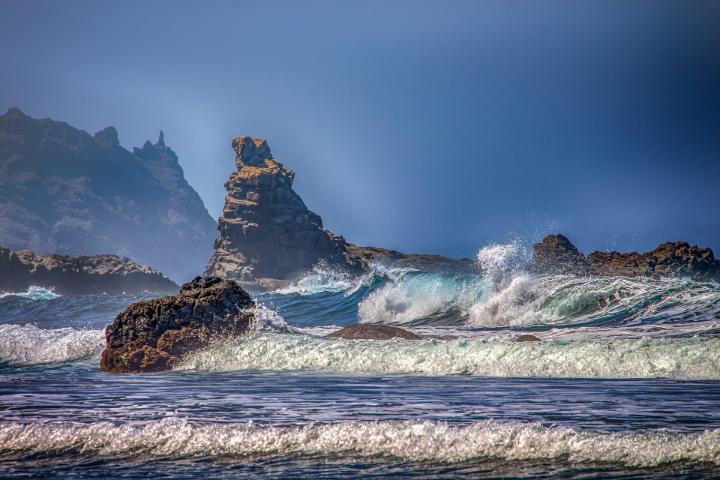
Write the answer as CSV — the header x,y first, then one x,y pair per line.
x,y
33,293
686,358
502,293
30,345
411,440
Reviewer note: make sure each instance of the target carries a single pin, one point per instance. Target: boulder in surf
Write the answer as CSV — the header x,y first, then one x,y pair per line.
x,y
152,335
369,331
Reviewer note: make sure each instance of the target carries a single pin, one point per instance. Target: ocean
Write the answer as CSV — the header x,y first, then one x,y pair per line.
x,y
623,384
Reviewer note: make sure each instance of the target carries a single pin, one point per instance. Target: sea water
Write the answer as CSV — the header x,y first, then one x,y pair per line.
x,y
624,382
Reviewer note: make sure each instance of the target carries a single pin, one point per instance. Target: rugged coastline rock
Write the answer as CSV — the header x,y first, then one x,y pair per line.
x,y
555,254
78,275
266,231
268,236
371,331
65,191
152,335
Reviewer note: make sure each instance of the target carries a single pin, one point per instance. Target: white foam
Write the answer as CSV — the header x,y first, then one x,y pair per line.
x,y
690,358
30,345
411,440
34,293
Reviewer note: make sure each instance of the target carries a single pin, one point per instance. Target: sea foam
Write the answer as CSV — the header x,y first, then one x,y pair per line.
x,y
412,440
684,358
30,345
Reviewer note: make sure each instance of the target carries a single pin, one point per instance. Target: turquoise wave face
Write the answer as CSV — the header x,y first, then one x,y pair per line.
x,y
515,299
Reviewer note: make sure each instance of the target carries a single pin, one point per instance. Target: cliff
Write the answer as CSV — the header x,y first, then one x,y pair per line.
x,y
63,190
556,254
81,275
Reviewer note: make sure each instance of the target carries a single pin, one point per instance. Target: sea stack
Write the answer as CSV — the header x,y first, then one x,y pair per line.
x,y
266,231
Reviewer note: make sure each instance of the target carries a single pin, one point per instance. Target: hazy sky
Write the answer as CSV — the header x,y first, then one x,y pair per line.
x,y
423,126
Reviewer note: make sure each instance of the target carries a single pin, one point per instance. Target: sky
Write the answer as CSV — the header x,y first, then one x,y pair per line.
x,y
425,126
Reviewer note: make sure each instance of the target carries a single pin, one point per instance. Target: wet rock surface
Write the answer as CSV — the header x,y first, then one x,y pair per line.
x,y
368,331
527,338
152,335
79,275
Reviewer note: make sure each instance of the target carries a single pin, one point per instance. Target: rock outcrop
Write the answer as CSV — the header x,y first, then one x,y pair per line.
x,y
65,191
152,335
555,254
370,331
266,231
268,235
670,259
77,275
558,255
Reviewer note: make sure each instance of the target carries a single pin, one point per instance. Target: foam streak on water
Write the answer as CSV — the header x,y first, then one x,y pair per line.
x,y
692,358
424,441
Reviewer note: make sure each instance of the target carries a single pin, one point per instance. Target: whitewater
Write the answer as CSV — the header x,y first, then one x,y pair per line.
x,y
623,380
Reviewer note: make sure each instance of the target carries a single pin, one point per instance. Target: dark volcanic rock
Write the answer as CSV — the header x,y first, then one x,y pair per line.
x,y
369,331
670,259
558,255
70,275
63,190
266,230
152,335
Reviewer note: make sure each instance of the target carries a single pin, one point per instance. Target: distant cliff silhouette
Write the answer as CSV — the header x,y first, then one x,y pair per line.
x,y
65,191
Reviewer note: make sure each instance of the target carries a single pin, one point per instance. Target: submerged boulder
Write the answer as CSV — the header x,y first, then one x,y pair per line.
x,y
527,337
369,331
152,335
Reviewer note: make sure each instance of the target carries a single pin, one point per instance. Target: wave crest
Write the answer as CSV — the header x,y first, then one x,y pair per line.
x,y
411,440
691,358
30,345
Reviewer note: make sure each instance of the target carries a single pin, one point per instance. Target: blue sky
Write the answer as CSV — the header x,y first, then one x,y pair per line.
x,y
423,126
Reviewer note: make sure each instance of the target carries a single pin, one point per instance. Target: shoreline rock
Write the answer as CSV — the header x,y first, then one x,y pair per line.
x,y
556,254
152,335
371,331
79,275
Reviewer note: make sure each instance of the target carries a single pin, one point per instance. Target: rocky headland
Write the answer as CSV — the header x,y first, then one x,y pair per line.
x,y
268,235
556,254
65,191
78,275
152,335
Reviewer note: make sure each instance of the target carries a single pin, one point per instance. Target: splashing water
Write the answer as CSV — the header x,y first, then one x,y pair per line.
x,y
34,293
